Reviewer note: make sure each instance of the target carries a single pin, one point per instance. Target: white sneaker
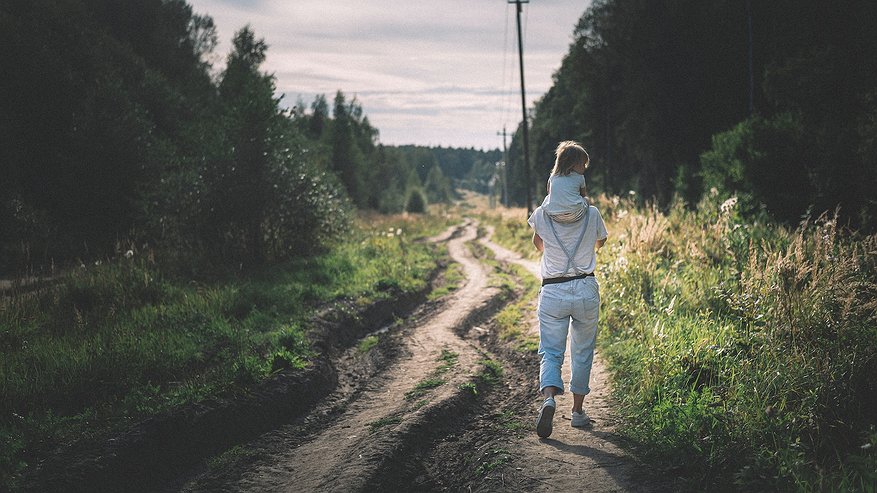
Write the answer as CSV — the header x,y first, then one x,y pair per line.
x,y
546,416
580,420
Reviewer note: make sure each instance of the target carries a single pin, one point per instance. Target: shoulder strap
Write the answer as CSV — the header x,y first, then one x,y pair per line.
x,y
570,258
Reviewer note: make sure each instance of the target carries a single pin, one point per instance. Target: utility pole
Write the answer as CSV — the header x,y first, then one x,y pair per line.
x,y
505,163
751,76
524,108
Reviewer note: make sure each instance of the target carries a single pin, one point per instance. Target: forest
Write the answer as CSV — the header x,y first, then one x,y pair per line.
x,y
118,133
772,102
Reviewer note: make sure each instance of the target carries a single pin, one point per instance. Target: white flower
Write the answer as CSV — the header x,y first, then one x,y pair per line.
x,y
728,205
398,231
129,254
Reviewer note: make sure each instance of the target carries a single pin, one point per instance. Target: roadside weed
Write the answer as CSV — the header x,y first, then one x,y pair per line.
x,y
386,421
367,343
493,459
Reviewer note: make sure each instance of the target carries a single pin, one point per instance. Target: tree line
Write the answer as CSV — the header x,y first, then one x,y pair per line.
x,y
117,132
774,102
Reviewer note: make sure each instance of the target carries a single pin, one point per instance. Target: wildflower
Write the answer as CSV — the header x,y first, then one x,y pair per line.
x,y
398,231
714,191
631,193
728,205
129,254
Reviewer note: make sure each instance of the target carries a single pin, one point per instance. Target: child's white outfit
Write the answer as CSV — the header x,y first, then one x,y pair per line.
x,y
564,202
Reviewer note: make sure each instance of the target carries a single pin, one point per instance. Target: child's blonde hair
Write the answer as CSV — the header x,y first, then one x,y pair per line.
x,y
568,154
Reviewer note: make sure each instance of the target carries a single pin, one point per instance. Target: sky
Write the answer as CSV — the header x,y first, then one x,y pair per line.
x,y
425,72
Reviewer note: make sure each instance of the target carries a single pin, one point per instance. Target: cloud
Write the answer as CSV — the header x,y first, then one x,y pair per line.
x,y
425,72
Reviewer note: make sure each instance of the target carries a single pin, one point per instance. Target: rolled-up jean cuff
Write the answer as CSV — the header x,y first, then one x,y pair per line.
x,y
558,385
579,391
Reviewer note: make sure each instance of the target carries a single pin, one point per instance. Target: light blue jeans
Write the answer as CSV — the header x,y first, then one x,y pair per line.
x,y
572,307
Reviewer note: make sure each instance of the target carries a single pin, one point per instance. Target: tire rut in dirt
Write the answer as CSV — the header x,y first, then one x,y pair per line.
x,y
327,450
462,446
156,452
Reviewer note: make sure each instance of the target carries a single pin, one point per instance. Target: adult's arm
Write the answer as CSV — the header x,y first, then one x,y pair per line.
x,y
537,242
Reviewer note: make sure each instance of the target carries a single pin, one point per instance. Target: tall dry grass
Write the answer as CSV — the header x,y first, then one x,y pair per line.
x,y
745,353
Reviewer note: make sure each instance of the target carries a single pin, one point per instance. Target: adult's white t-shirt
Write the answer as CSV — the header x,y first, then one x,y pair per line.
x,y
554,260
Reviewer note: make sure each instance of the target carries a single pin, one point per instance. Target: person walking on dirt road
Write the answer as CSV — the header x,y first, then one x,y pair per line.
x,y
569,301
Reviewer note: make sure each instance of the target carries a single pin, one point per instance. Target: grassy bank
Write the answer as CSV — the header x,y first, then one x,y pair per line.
x,y
744,354
115,342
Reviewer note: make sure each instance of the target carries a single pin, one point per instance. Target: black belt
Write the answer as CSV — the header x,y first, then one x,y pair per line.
x,y
558,280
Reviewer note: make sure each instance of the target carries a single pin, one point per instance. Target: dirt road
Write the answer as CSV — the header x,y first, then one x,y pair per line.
x,y
572,458
427,409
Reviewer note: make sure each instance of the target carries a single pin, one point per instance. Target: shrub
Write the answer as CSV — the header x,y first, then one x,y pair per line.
x,y
416,202
764,161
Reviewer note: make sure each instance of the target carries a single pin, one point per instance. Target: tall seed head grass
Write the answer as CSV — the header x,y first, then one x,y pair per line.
x,y
745,350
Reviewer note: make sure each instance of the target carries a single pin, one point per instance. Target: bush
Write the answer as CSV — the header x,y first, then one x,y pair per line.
x,y
416,202
307,209
764,161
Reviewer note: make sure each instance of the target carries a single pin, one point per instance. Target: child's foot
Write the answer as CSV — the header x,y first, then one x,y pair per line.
x,y
546,416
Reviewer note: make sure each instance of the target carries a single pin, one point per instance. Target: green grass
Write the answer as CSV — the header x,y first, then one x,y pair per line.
x,y
229,457
423,387
510,422
453,277
513,281
744,354
491,372
513,234
367,343
493,459
383,422
116,342
512,321
490,376
469,387
448,360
